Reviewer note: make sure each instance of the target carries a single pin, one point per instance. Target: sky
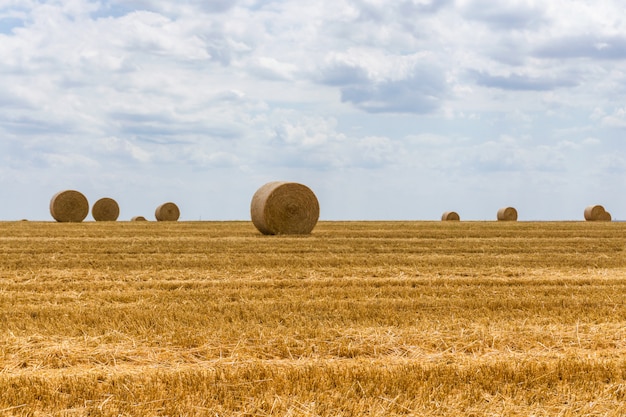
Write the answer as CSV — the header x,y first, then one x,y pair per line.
x,y
387,110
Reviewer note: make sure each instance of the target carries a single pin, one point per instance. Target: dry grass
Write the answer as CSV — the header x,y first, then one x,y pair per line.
x,y
359,318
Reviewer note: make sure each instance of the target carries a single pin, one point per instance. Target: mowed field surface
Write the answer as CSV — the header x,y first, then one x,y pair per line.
x,y
359,318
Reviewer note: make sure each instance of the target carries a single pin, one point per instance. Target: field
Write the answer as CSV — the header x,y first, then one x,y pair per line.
x,y
359,318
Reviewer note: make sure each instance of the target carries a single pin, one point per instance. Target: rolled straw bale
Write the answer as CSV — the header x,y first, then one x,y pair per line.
x,y
450,216
138,219
105,210
69,206
167,212
507,214
284,208
594,213
605,217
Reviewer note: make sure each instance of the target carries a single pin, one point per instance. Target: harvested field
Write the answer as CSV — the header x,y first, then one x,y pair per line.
x,y
358,318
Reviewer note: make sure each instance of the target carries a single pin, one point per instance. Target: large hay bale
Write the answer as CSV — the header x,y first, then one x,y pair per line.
x,y
596,213
167,212
138,219
507,214
69,206
450,216
105,210
284,208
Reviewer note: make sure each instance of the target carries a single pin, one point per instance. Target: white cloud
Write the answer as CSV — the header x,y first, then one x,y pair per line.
x,y
70,160
377,82
124,149
508,15
315,142
592,141
273,69
522,82
428,140
511,154
615,119
464,92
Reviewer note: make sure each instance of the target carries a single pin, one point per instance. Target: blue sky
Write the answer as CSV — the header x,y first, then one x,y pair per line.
x,y
386,110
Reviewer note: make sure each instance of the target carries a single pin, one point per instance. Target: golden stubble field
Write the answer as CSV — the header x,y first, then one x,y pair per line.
x,y
360,318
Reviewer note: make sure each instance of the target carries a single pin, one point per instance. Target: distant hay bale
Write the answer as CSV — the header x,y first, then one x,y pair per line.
x,y
605,217
69,206
596,213
167,212
284,208
450,216
105,210
138,219
507,214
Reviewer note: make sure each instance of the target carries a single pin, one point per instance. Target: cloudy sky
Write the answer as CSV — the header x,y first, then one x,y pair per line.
x,y
387,110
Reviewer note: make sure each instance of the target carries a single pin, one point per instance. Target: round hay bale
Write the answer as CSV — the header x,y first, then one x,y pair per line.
x,y
507,214
105,210
69,206
605,217
284,208
138,219
450,216
594,213
167,212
